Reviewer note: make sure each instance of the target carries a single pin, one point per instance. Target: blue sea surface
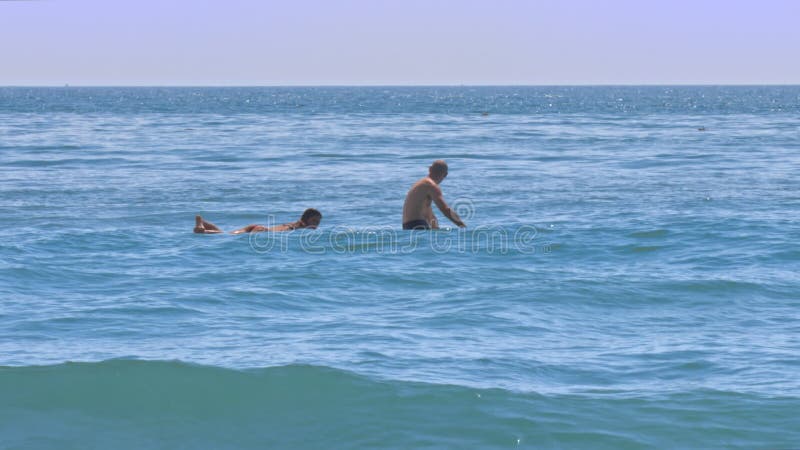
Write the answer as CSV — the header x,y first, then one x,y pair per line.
x,y
629,276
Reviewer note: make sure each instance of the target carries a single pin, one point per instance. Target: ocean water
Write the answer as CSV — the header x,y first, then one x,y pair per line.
x,y
629,277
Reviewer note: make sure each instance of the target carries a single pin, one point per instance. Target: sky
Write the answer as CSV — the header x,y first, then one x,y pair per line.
x,y
408,42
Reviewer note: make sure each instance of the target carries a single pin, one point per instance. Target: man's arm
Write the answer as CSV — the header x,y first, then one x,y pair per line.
x,y
438,198
432,221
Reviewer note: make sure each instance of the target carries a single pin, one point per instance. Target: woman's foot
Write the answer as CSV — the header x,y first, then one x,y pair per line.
x,y
203,227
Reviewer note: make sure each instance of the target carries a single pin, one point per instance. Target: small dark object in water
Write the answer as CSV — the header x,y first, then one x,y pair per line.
x,y
701,129
484,113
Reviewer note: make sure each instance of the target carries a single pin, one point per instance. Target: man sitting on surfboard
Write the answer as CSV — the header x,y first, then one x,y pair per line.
x,y
417,212
310,219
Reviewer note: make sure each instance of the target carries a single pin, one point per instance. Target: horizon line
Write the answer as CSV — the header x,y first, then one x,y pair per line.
x,y
396,85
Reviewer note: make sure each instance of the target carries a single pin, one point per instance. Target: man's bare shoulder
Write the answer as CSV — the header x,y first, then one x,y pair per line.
x,y
425,184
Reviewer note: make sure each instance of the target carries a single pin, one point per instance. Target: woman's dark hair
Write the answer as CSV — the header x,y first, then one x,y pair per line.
x,y
309,213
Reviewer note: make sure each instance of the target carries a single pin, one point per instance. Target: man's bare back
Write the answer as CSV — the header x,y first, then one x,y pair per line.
x,y
417,211
418,203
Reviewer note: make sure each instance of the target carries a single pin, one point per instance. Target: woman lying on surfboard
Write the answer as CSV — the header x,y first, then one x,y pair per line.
x,y
310,219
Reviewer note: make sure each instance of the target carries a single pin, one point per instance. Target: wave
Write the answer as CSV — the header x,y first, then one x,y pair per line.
x,y
171,404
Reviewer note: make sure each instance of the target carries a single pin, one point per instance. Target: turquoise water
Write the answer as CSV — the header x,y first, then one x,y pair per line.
x,y
628,277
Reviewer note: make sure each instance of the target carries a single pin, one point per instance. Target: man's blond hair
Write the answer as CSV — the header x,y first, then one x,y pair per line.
x,y
439,167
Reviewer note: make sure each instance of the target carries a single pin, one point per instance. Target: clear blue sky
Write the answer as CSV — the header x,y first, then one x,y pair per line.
x,y
368,42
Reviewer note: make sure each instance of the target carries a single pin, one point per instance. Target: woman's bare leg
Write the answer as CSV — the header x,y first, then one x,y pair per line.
x,y
250,229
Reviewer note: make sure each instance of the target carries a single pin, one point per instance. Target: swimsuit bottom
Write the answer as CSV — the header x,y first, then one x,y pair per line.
x,y
416,225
